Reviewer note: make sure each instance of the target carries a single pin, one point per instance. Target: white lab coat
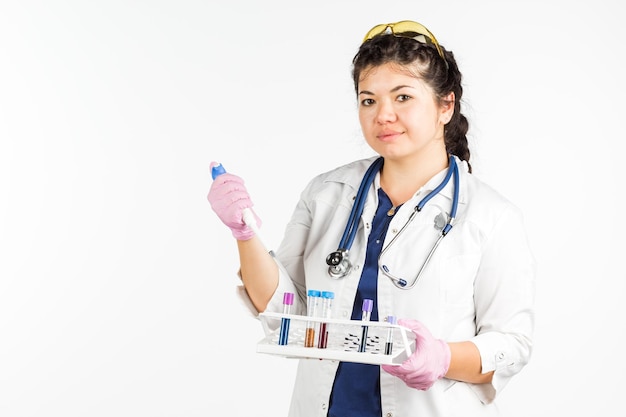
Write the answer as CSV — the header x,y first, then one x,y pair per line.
x,y
479,285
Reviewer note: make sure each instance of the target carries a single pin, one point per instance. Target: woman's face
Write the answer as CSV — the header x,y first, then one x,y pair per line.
x,y
399,114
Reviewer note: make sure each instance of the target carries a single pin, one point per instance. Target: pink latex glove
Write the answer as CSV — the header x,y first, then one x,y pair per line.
x,y
427,364
228,198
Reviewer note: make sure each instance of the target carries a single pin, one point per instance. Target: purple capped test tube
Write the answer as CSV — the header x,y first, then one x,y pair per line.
x,y
365,317
284,322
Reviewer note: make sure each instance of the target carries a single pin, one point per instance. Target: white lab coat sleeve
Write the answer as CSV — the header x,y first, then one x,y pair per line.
x,y
504,295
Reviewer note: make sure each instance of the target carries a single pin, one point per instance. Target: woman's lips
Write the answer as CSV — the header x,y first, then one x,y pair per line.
x,y
388,136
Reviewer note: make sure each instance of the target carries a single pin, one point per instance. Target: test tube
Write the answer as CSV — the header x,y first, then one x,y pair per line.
x,y
366,313
327,304
389,342
284,322
312,304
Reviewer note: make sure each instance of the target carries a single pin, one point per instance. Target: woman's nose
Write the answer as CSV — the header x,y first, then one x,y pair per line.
x,y
385,113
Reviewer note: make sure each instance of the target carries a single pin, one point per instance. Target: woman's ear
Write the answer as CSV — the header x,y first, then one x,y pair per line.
x,y
447,108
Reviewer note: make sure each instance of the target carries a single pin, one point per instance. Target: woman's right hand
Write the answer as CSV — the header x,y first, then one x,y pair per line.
x,y
229,198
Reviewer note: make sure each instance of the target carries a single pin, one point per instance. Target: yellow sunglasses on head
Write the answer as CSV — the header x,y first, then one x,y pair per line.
x,y
406,29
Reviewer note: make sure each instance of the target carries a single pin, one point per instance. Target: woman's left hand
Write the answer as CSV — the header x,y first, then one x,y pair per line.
x,y
427,364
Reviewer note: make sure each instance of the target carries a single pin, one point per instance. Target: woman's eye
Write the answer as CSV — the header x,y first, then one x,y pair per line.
x,y
367,102
403,97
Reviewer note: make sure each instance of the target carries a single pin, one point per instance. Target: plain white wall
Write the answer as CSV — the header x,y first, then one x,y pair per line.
x,y
117,280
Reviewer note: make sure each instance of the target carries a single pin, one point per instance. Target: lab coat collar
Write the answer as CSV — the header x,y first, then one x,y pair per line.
x,y
346,175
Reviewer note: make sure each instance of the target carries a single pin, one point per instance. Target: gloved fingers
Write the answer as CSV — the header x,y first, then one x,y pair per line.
x,y
428,362
229,181
233,200
411,378
228,190
420,382
230,199
412,364
421,332
394,370
415,326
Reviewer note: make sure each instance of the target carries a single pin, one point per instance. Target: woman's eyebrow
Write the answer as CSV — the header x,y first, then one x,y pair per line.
x,y
393,90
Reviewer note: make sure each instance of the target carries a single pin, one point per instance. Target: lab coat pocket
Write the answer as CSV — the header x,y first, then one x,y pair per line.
x,y
457,274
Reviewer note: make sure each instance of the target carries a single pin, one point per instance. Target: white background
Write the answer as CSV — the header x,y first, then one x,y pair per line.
x,y
117,280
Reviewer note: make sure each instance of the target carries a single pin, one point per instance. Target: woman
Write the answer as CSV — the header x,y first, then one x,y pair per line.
x,y
468,296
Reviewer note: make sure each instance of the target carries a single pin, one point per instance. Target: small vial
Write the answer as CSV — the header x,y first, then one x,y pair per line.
x,y
389,342
312,305
283,336
327,304
366,313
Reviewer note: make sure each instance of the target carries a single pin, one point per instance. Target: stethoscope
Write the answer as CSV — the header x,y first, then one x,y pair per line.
x,y
339,264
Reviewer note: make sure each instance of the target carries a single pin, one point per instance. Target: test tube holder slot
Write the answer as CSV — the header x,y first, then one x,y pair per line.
x,y
344,339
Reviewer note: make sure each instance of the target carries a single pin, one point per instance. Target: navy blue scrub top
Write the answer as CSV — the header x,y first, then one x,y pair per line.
x,y
356,390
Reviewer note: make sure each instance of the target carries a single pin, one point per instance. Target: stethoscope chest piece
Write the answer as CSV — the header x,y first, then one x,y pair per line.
x,y
338,264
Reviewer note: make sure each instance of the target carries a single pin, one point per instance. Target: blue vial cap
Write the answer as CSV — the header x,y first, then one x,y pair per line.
x,y
217,170
368,305
392,319
328,294
313,293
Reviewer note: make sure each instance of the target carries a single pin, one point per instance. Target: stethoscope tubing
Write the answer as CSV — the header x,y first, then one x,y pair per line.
x,y
342,265
352,225
400,282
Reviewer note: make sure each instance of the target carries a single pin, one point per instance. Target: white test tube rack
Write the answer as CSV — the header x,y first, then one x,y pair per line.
x,y
343,340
